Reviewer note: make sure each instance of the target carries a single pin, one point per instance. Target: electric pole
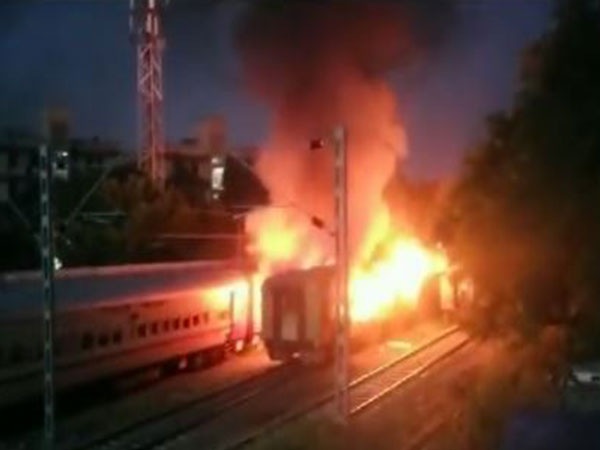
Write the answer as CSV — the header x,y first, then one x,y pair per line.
x,y
342,314
146,29
47,256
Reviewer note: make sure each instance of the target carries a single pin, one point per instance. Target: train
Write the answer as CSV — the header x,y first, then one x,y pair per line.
x,y
298,315
121,320
113,321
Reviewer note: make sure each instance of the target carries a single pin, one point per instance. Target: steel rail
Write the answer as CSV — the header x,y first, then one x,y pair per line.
x,y
242,392
315,405
438,417
112,439
407,379
180,430
384,367
427,434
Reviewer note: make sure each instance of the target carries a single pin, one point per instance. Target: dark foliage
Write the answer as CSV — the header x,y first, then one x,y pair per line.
x,y
525,216
127,220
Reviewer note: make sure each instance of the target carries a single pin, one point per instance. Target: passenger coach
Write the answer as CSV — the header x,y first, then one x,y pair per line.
x,y
299,315
117,320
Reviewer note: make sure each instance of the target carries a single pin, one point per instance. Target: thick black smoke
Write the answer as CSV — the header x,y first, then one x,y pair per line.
x,y
318,64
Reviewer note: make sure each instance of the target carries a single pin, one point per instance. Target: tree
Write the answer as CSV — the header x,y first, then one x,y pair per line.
x,y
525,214
20,250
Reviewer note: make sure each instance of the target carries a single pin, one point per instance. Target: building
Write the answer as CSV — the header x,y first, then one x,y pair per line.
x,y
187,155
223,175
19,154
86,155
18,164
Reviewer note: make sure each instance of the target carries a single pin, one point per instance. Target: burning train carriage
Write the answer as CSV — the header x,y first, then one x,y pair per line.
x,y
116,320
299,315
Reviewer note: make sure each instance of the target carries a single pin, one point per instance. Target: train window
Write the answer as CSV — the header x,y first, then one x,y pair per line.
x,y
141,330
186,322
205,317
103,340
176,324
223,315
155,328
117,337
87,341
166,325
196,320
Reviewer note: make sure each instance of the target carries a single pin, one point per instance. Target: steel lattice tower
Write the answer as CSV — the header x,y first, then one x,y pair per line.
x,y
146,28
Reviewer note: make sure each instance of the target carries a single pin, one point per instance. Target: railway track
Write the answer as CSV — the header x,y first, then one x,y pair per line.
x,y
372,387
381,382
150,431
268,401
428,434
224,423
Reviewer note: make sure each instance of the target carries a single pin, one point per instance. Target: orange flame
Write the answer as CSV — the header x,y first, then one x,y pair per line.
x,y
220,295
395,279
388,270
283,238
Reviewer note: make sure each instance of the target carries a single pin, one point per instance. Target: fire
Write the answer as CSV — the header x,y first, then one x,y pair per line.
x,y
280,241
222,294
390,269
395,279
284,238
388,272
345,80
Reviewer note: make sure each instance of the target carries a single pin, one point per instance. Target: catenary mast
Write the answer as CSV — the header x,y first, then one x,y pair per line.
x,y
146,30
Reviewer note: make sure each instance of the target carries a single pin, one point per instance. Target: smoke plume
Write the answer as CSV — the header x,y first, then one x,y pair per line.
x,y
318,64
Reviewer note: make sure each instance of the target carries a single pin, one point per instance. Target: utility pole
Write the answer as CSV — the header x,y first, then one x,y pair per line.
x,y
342,311
342,316
146,29
47,254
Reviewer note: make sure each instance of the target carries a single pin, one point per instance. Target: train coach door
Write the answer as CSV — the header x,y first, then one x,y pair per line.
x,y
250,311
293,316
232,321
241,315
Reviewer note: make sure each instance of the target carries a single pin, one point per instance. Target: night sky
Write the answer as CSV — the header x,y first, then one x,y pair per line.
x,y
77,54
